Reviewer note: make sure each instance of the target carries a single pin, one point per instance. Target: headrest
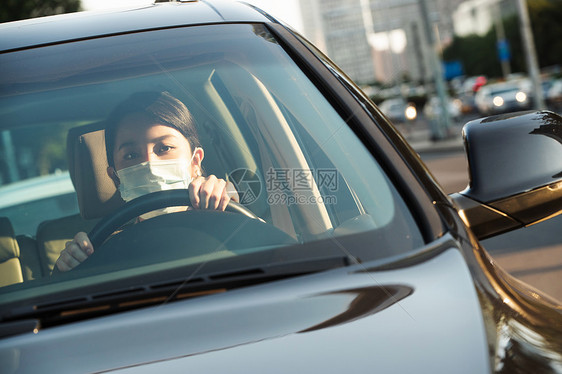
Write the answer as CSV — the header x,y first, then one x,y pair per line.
x,y
87,164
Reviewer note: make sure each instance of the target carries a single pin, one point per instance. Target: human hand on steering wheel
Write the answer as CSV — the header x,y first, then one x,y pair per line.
x,y
211,193
206,193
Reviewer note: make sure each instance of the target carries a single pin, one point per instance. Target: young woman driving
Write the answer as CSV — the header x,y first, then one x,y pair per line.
x,y
152,145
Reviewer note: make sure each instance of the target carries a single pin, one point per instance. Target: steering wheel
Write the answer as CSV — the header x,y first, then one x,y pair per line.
x,y
157,200
134,208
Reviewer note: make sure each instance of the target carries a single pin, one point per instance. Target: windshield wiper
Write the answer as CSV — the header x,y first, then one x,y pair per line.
x,y
27,318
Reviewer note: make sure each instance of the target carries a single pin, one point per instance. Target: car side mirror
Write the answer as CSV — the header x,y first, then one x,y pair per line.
x,y
515,172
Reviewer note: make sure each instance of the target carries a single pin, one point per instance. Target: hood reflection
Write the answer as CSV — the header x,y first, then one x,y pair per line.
x,y
522,350
367,301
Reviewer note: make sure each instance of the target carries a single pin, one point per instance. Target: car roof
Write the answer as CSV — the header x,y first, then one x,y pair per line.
x,y
82,25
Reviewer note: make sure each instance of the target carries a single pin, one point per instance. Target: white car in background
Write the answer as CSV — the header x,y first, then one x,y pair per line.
x,y
398,110
504,97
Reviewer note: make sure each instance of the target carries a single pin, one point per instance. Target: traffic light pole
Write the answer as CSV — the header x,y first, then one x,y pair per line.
x,y
444,121
530,53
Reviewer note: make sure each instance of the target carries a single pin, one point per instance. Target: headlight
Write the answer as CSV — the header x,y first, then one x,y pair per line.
x,y
521,96
457,103
411,112
498,101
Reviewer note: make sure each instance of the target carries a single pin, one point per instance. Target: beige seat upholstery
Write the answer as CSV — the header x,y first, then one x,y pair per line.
x,y
10,264
19,258
52,236
96,193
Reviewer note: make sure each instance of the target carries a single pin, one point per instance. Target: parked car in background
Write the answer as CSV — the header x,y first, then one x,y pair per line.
x,y
344,254
467,103
473,84
398,110
432,108
504,97
554,94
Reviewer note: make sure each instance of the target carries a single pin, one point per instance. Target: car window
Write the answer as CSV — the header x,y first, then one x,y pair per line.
x,y
26,216
263,125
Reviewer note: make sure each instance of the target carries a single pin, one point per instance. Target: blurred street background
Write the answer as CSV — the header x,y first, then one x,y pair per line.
x,y
431,66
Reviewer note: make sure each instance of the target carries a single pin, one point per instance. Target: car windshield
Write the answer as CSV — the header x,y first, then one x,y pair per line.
x,y
504,89
263,124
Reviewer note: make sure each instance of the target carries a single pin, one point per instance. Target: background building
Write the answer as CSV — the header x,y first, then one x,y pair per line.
x,y
337,27
378,40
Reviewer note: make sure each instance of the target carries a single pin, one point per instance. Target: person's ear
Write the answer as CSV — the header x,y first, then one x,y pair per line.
x,y
113,175
198,155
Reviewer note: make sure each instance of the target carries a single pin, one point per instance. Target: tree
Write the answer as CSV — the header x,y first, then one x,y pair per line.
x,y
479,55
13,10
545,18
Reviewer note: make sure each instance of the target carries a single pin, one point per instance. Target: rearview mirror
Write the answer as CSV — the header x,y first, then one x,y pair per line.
x,y
515,172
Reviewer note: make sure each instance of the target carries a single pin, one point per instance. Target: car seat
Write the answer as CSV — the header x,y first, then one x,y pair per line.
x,y
96,193
18,256
10,264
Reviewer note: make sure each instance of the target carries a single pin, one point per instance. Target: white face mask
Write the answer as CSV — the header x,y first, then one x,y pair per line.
x,y
153,176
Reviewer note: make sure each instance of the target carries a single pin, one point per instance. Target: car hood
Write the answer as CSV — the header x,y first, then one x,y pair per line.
x,y
424,317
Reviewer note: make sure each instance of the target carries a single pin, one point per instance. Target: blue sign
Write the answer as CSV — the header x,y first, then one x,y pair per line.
x,y
503,50
452,69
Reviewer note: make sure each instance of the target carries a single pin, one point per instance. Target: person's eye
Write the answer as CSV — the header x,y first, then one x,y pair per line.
x,y
164,149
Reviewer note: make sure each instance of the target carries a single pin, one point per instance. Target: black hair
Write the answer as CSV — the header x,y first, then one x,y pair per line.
x,y
161,107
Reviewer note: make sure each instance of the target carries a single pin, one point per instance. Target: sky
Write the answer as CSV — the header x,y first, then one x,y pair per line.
x,y
285,10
